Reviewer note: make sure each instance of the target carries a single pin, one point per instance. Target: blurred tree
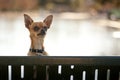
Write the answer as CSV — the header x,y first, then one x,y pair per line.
x,y
18,4
5,4
116,3
81,5
42,2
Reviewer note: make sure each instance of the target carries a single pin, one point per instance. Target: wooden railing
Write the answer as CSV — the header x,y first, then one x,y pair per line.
x,y
59,68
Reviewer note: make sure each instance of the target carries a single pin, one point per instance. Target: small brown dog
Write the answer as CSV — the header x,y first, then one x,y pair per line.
x,y
37,34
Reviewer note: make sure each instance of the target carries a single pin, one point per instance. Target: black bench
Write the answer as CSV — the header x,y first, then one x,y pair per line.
x,y
59,68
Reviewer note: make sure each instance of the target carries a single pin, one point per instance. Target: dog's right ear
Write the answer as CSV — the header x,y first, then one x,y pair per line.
x,y
28,20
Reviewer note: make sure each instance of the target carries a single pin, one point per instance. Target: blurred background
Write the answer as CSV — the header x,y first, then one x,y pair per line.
x,y
79,28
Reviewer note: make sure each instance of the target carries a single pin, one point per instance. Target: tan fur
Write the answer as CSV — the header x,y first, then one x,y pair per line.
x,y
36,34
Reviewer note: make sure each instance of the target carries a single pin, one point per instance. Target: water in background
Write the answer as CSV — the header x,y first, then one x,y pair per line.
x,y
68,36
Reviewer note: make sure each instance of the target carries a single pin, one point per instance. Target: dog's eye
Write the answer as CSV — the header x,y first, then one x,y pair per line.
x,y
36,28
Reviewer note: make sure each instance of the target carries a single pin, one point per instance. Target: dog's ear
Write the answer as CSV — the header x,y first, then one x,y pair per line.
x,y
48,20
28,20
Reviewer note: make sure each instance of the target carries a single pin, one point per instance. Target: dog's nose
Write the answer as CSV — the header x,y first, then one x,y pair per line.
x,y
42,32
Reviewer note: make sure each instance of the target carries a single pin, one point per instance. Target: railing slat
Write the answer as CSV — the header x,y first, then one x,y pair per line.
x,y
90,72
41,72
16,72
29,72
114,73
66,72
53,72
102,72
3,72
78,72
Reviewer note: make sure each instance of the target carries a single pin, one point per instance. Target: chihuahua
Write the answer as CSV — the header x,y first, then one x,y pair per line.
x,y
37,34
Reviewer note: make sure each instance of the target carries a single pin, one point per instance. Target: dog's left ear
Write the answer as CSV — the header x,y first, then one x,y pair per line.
x,y
48,20
28,20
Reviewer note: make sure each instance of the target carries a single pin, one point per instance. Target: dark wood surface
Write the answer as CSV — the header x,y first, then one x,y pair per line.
x,y
46,67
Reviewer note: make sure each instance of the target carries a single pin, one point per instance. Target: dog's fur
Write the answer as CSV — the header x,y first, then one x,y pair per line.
x,y
37,33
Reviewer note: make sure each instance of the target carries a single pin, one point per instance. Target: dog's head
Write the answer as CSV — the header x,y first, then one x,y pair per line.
x,y
37,29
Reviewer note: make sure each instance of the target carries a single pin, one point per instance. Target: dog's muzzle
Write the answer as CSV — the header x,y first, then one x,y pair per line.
x,y
43,31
